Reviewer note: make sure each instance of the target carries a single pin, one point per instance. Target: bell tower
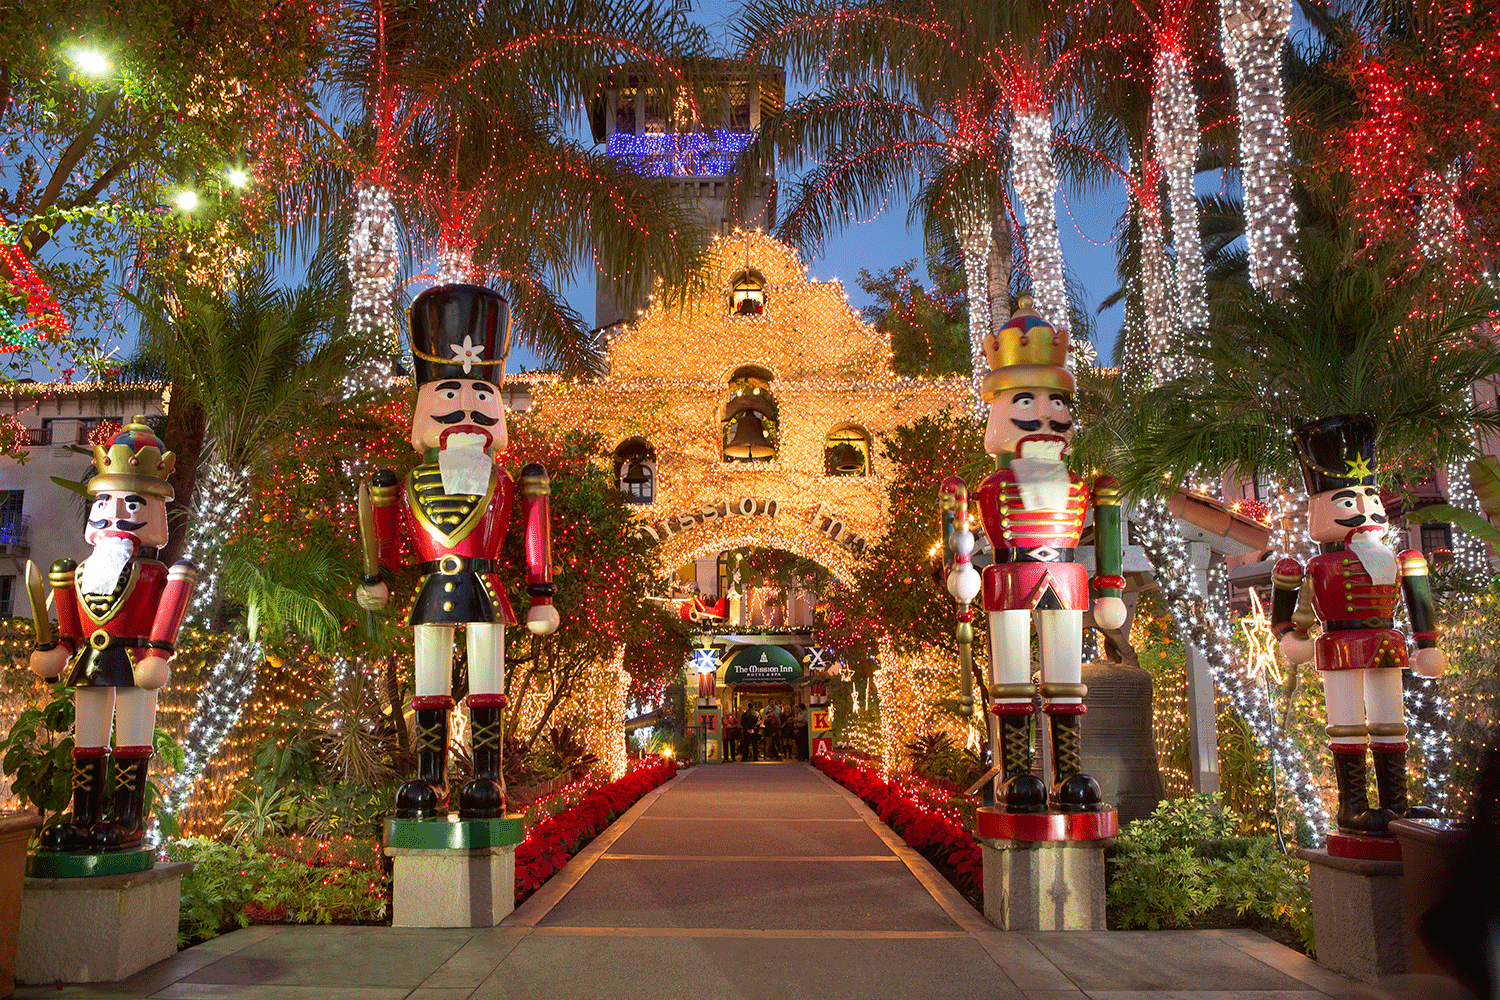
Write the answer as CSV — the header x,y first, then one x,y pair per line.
x,y
686,136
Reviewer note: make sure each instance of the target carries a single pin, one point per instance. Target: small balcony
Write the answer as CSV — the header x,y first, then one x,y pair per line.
x,y
15,531
38,437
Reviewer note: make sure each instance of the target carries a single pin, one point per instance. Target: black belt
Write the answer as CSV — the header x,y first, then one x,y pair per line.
x,y
1038,553
1357,624
449,565
101,639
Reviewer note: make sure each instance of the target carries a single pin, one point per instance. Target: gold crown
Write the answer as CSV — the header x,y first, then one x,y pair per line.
x,y
135,461
1027,353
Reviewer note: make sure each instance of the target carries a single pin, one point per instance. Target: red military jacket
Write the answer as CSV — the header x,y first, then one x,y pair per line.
x,y
1343,593
113,631
1043,577
437,525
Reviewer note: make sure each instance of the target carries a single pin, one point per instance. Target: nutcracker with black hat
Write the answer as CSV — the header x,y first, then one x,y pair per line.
x,y
450,516
118,615
1351,588
1034,510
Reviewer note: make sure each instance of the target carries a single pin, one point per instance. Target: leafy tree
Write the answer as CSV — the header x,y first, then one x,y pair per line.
x,y
108,110
928,330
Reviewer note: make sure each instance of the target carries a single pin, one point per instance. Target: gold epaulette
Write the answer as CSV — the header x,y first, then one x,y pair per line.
x,y
1413,563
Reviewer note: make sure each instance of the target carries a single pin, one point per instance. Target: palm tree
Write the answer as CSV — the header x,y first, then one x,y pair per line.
x,y
1357,332
423,83
250,359
938,100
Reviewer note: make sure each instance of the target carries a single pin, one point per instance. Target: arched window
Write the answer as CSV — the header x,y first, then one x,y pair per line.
x,y
747,296
635,470
846,451
749,428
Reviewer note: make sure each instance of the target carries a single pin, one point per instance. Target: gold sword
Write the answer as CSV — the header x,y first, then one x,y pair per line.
x,y
41,624
369,545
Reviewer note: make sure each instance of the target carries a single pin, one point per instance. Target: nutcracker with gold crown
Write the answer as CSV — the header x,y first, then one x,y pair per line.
x,y
1352,588
1033,509
118,614
450,515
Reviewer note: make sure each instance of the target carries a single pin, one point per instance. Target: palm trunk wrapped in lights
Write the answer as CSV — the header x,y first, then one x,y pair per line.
x,y
455,260
972,228
1155,291
220,499
372,263
225,692
1161,537
1035,179
1174,117
1254,35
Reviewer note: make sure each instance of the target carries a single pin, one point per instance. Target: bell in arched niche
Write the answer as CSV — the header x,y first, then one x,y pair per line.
x,y
748,441
748,297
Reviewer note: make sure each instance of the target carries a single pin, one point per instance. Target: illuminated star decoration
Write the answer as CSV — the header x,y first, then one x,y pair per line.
x,y
1359,468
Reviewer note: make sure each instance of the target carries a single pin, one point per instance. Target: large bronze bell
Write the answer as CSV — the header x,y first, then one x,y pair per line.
x,y
749,439
847,460
635,473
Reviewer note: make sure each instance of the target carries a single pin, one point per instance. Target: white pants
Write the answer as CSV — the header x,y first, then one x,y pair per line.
x,y
434,656
1060,636
98,708
1365,698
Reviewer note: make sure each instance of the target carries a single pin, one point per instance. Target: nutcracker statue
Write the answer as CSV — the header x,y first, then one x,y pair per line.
x,y
1352,589
450,516
118,614
1033,511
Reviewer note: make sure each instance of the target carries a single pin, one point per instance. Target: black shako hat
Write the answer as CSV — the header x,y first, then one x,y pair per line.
x,y
1336,453
459,331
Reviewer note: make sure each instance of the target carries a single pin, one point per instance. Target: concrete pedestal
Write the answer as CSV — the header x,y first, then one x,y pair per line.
x,y
1359,915
96,930
1044,885
473,887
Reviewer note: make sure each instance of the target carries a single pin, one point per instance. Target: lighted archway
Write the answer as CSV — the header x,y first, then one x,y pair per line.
x,y
787,532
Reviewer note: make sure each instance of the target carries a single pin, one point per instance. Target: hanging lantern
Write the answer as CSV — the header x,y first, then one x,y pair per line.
x,y
749,440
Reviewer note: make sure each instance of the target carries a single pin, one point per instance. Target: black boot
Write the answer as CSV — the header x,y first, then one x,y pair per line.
x,y
483,796
426,795
1355,815
1390,786
1072,790
88,805
124,831
1020,791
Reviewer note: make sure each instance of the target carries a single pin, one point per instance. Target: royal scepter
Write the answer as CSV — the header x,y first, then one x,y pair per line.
x,y
963,582
369,551
41,624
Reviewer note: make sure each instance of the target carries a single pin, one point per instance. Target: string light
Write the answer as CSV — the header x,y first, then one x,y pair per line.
x,y
1035,178
1174,117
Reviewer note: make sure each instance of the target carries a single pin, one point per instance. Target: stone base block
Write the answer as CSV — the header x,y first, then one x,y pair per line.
x,y
452,888
1359,917
1044,885
96,930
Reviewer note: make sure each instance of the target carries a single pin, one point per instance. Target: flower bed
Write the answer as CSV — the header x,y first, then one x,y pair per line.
x,y
924,817
552,840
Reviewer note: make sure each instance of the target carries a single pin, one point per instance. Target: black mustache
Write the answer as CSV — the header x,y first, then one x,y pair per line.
x,y
1028,425
1061,428
105,522
459,416
1356,520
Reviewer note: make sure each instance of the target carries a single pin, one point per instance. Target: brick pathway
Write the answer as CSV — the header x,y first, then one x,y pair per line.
x,y
733,881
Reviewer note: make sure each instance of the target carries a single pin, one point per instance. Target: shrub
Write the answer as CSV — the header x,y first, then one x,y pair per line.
x,y
1183,861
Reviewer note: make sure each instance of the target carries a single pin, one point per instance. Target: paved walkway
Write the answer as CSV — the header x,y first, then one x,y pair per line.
x,y
734,881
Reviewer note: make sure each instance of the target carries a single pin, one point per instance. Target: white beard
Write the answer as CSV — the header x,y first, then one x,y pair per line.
x,y
101,570
1043,482
1375,556
465,466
